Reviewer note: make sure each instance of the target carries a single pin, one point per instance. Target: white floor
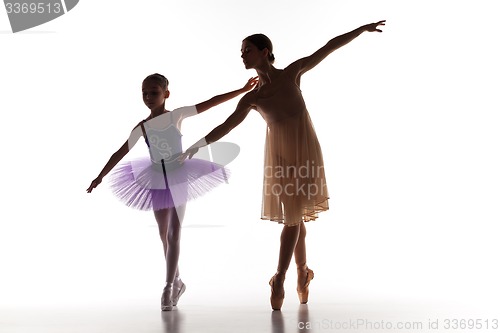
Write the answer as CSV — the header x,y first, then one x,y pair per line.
x,y
108,278
105,274
227,313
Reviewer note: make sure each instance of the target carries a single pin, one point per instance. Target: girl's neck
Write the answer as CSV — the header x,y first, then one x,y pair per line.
x,y
156,112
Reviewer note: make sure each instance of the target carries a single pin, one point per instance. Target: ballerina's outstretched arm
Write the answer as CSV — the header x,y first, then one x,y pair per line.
x,y
304,64
216,100
242,110
117,157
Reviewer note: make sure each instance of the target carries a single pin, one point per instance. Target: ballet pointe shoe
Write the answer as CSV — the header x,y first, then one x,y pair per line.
x,y
304,277
167,303
178,290
277,291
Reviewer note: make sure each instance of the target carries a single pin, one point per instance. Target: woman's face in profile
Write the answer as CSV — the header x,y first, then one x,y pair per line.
x,y
251,55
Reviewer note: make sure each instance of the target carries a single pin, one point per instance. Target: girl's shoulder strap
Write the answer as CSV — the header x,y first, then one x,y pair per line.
x,y
144,132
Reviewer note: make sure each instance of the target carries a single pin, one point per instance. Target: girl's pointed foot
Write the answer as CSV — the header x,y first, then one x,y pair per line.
x,y
179,289
277,291
167,303
304,277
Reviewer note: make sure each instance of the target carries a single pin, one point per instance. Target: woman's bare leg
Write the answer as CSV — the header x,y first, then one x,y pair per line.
x,y
300,254
288,243
304,274
293,242
289,237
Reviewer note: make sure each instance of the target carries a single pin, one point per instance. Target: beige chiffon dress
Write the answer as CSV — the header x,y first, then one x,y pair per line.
x,y
294,187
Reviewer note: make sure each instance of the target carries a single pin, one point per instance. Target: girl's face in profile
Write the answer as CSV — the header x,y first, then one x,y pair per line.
x,y
153,95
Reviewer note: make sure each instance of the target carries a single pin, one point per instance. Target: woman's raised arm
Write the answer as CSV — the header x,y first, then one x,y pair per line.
x,y
307,63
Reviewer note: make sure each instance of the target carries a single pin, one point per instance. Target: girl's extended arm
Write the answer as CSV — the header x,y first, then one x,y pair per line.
x,y
216,100
242,110
116,157
311,61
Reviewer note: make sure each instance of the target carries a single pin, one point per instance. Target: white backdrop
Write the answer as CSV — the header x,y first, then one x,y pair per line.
x,y
408,122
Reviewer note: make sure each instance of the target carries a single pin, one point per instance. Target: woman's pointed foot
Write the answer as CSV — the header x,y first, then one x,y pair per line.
x,y
277,291
304,277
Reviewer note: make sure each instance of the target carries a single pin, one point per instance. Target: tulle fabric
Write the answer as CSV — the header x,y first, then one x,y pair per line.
x,y
295,188
144,185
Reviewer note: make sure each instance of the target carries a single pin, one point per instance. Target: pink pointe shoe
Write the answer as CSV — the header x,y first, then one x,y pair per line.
x,y
277,291
304,274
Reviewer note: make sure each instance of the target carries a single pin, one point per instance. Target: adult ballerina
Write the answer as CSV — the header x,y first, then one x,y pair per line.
x,y
294,189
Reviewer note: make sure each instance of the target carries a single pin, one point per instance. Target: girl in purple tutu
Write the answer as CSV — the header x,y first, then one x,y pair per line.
x,y
160,182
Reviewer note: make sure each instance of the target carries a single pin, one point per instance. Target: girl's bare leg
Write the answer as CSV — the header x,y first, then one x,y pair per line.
x,y
162,218
169,226
176,215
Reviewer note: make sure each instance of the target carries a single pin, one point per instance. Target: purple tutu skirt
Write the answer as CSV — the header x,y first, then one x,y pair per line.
x,y
144,185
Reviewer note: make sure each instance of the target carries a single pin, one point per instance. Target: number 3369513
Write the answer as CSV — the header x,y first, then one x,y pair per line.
x,y
33,8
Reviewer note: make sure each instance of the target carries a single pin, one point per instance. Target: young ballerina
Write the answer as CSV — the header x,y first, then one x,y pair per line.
x,y
294,189
160,182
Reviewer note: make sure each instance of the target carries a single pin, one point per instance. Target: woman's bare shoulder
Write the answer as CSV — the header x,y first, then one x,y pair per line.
x,y
250,98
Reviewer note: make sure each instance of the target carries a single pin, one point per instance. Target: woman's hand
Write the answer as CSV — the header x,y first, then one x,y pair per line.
x,y
251,84
188,154
374,26
94,184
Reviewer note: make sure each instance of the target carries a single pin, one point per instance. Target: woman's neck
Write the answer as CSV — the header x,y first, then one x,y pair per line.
x,y
267,74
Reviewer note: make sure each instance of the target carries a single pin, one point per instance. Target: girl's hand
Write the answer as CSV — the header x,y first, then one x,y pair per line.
x,y
251,84
374,26
188,154
94,184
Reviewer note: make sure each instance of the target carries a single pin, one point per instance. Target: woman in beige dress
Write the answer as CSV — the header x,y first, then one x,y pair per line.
x,y
294,189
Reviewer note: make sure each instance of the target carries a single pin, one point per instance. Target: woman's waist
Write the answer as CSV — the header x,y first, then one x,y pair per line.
x,y
283,116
